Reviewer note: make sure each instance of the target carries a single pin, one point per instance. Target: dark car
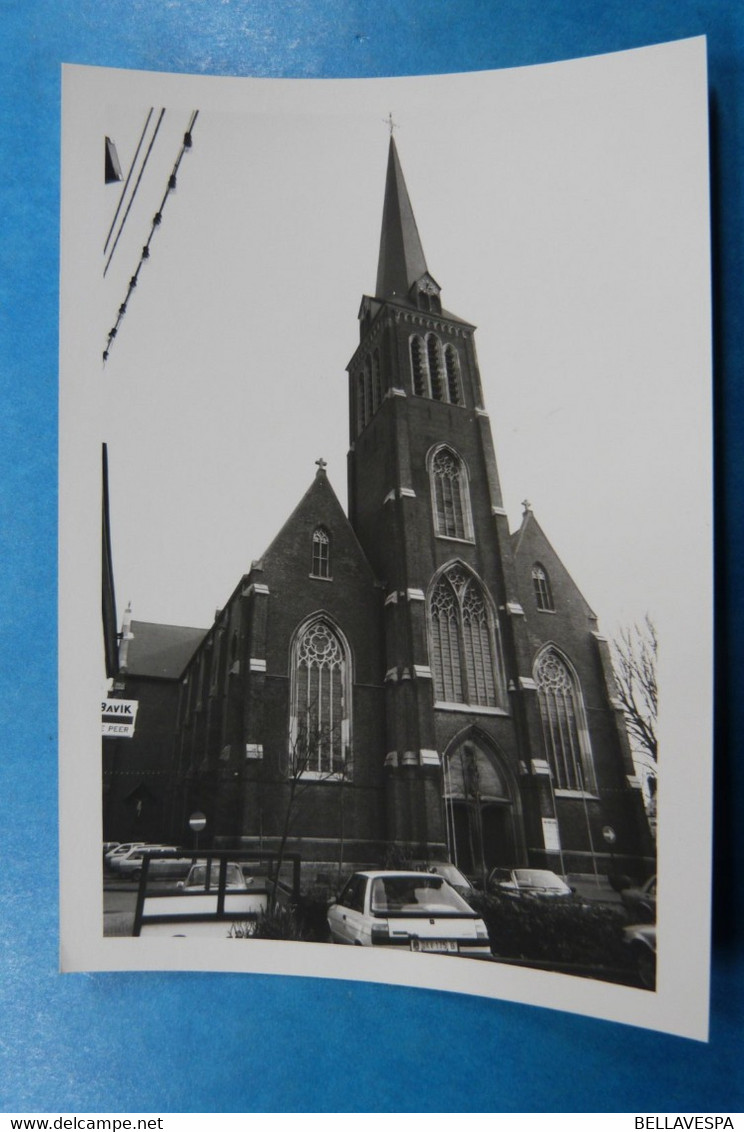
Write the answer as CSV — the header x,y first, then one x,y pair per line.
x,y
530,883
640,903
533,883
453,876
641,939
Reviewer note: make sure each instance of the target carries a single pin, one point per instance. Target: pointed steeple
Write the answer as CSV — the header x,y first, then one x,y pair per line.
x,y
402,259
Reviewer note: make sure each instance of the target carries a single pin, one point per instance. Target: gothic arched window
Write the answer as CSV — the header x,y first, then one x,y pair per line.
x,y
543,591
321,553
452,367
450,495
321,699
463,643
419,367
565,732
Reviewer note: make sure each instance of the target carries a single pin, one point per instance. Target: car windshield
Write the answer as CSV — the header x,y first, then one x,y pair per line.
x,y
539,878
415,893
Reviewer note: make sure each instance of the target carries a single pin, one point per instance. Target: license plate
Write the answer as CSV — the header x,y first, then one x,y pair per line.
x,y
442,945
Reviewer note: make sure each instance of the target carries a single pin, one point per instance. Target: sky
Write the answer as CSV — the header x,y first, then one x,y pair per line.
x,y
559,209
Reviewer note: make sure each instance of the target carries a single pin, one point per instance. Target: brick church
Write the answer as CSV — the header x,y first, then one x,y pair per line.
x,y
408,682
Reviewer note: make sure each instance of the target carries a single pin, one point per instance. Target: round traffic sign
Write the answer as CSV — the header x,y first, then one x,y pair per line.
x,y
197,821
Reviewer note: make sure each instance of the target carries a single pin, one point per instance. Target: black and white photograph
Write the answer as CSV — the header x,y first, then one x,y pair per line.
x,y
386,530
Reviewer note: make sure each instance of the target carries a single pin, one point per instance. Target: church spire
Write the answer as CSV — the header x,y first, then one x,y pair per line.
x,y
402,260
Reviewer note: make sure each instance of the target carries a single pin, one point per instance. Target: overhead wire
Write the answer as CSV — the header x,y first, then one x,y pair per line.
x,y
134,191
155,223
129,177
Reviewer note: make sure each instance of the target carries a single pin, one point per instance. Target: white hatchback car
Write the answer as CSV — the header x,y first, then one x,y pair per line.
x,y
412,910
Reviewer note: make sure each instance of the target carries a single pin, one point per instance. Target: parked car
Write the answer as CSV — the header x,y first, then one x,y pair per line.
x,y
641,938
412,910
201,880
130,864
640,902
119,851
532,883
453,876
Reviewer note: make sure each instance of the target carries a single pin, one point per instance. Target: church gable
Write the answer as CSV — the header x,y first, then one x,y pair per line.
x,y
318,541
567,655
551,600
316,564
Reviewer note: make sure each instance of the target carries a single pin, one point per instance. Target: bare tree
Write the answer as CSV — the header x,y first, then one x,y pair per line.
x,y
315,755
634,654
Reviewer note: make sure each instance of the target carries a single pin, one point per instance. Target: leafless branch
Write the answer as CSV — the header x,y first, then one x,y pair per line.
x,y
635,654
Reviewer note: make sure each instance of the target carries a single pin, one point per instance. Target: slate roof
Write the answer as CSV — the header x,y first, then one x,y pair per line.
x,y
402,259
161,650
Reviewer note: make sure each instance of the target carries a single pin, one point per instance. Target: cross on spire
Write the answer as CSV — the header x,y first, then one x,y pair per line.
x,y
390,123
322,464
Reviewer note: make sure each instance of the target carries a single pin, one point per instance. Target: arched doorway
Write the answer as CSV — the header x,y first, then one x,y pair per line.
x,y
479,808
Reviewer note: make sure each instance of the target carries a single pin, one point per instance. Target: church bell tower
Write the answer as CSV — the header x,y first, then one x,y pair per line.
x,y
426,505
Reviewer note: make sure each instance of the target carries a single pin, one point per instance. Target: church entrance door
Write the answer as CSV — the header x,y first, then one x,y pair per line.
x,y
478,810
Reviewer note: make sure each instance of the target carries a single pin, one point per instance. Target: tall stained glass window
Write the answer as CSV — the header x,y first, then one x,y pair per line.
x,y
450,495
565,734
463,644
319,730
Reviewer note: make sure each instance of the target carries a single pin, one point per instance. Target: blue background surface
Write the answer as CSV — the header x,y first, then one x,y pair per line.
x,y
195,1042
